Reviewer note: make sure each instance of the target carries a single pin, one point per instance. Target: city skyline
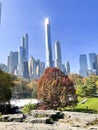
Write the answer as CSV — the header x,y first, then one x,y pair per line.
x,y
74,25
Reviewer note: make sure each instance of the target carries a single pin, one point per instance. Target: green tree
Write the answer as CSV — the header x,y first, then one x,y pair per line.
x,y
33,86
55,89
21,88
87,86
6,85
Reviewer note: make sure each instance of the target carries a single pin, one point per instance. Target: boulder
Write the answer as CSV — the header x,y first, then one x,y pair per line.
x,y
13,117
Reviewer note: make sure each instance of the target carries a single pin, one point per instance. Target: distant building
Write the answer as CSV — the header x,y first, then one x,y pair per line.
x,y
32,67
93,62
83,65
49,61
23,57
42,68
25,71
58,59
3,67
36,68
67,67
12,62
63,68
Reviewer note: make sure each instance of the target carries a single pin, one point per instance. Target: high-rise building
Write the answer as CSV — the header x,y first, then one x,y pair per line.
x,y
32,67
12,62
83,65
36,68
93,61
49,61
42,67
67,67
58,60
3,67
23,57
23,52
24,70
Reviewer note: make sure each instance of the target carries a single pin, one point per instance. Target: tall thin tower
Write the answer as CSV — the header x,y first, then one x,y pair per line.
x,y
58,61
49,62
23,57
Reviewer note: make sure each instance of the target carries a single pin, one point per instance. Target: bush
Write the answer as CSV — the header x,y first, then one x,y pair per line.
x,y
28,108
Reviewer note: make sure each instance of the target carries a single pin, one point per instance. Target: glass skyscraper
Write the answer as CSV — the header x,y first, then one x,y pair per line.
x,y
58,61
83,65
93,61
49,62
23,57
67,67
12,62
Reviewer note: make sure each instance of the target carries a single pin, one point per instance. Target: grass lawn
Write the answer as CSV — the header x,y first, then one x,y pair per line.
x,y
89,105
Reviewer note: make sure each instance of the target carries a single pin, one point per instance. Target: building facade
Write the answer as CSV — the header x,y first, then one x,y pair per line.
x,y
83,65
12,62
67,67
58,59
49,61
36,68
93,62
23,57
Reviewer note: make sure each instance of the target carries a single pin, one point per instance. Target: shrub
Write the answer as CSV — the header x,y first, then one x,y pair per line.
x,y
28,108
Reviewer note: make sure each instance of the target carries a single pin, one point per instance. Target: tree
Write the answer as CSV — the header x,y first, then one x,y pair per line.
x,y
6,85
75,78
21,88
87,86
33,86
55,89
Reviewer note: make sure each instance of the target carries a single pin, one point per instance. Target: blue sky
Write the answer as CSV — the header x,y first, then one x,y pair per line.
x,y
73,22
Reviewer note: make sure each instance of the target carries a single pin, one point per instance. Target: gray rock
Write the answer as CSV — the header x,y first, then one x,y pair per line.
x,y
80,119
13,117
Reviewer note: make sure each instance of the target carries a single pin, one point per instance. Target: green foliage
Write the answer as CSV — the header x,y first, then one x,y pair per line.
x,y
34,93
33,85
75,78
21,88
87,87
28,108
6,85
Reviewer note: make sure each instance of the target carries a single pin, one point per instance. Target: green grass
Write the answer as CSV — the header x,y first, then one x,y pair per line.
x,y
90,106
91,103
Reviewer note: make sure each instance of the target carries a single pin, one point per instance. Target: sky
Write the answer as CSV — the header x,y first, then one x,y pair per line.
x,y
73,22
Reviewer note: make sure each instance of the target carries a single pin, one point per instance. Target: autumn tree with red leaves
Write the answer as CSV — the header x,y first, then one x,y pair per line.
x,y
55,89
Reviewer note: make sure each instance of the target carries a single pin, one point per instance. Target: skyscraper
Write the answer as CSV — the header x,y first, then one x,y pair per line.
x,y
58,61
23,57
93,61
32,67
36,68
49,61
12,62
67,67
83,65
24,48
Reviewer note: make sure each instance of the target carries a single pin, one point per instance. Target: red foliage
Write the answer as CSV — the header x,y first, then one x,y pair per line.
x,y
54,88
